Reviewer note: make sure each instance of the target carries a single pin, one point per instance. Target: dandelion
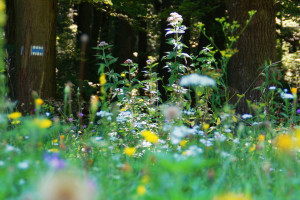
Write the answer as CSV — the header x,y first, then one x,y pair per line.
x,y
39,101
197,80
205,126
43,123
284,142
294,91
141,190
130,151
183,143
261,138
14,115
149,136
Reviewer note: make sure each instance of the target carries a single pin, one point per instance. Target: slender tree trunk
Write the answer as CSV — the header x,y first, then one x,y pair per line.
x,y
124,43
163,48
85,22
10,36
142,44
256,45
35,49
92,74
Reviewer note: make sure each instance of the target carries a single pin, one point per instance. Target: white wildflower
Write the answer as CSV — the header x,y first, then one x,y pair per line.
x,y
23,165
207,142
197,80
219,137
247,116
286,96
179,132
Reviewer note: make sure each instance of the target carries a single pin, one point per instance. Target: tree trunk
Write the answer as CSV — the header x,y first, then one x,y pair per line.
x,y
10,35
256,45
35,49
85,22
142,45
125,39
163,48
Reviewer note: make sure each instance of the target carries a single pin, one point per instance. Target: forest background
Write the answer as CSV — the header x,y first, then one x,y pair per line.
x,y
137,30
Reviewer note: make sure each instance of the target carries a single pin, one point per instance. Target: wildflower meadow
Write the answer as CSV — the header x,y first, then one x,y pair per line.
x,y
123,141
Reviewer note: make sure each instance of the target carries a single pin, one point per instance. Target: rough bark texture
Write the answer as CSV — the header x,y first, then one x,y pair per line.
x,y
35,26
256,45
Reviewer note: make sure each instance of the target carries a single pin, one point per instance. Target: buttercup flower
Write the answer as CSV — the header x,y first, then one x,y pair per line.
x,y
130,151
14,115
149,136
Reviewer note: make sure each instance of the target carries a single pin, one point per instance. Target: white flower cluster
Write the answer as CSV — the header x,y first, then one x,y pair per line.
x,y
179,132
197,80
175,18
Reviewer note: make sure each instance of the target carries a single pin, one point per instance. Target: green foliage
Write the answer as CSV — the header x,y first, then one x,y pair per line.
x,y
129,147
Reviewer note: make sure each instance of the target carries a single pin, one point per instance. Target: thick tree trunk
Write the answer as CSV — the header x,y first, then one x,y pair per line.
x,y
35,49
256,45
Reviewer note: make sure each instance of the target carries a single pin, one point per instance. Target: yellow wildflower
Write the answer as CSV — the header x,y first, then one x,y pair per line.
x,y
183,143
141,190
102,79
14,115
252,148
15,122
149,136
129,151
205,126
284,142
294,91
43,123
39,101
232,196
123,75
261,138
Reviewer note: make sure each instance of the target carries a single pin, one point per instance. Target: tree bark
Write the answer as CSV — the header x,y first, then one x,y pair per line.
x,y
35,37
256,45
